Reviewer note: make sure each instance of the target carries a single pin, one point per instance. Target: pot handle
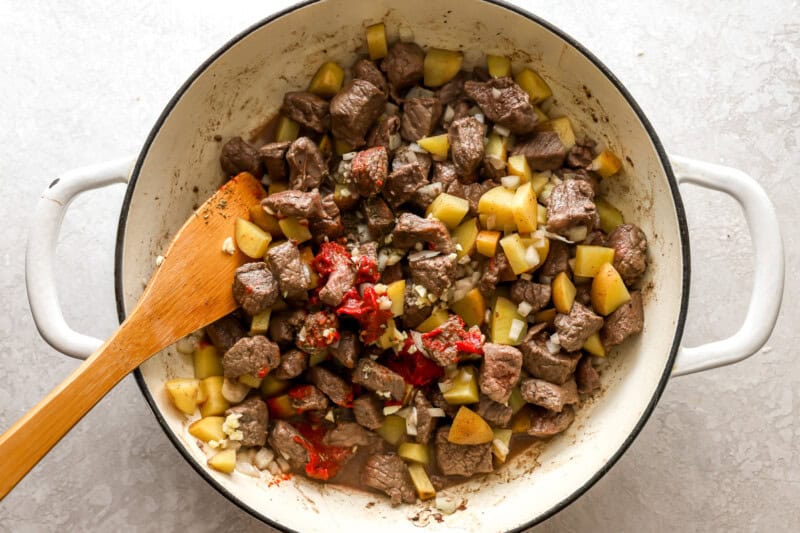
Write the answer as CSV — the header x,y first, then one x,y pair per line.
x,y
40,278
765,300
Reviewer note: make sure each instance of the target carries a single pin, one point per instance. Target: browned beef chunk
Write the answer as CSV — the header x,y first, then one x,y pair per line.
x,y
253,418
420,116
500,371
354,109
368,410
336,388
557,260
364,69
308,398
348,349
380,218
471,192
459,459
239,156
466,145
318,332
596,238
592,179
379,379
307,109
411,229
402,183
571,204
425,422
284,325
453,90
406,156
624,322
389,474
504,103
381,133
392,273
437,399
293,363
341,280
494,169
285,264
403,65
536,294
580,324
425,195
489,278
546,423
448,334
225,332
273,156
549,395
349,434
496,414
444,172
370,169
254,287
630,252
307,166
251,355
543,150
580,156
286,441
506,272
540,363
436,274
586,376
293,203
415,311
461,109
327,226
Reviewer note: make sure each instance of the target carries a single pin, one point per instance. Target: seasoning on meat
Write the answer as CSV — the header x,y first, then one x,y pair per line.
x,y
307,166
466,145
239,156
251,355
402,183
369,169
549,395
319,331
460,459
494,413
404,65
336,388
308,398
368,411
380,218
625,321
546,423
294,204
273,156
364,69
412,229
252,418
284,325
537,295
504,103
379,379
541,363
293,276
420,116
571,204
436,274
543,150
575,328
500,371
354,109
307,109
389,474
255,288
225,332
630,252
293,363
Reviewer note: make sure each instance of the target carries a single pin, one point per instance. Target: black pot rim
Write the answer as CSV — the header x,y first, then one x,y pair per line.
x,y
680,212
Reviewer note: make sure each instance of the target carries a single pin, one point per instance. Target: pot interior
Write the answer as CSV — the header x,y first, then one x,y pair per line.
x,y
241,88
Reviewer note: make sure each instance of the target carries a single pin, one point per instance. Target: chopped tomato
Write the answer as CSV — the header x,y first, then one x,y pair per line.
x,y
415,368
331,255
367,311
324,462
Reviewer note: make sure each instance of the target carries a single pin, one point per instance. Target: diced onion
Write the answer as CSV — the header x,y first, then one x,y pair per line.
x,y
515,331
496,162
416,336
510,182
532,256
496,93
348,156
446,503
391,409
247,469
449,113
411,422
578,233
525,276
524,308
424,254
445,386
394,141
552,348
502,130
479,117
362,232
474,110
414,147
558,237
436,412
188,344
402,413
406,34
263,458
500,446
555,339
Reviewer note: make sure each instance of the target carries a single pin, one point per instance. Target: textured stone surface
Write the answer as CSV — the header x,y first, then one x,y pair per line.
x,y
84,81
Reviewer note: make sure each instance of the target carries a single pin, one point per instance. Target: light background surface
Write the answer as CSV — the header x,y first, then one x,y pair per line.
x,y
82,82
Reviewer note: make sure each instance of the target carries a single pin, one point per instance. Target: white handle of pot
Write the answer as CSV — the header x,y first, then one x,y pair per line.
x,y
765,300
40,277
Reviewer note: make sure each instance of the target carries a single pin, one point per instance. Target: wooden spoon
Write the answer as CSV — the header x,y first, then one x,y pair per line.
x,y
190,289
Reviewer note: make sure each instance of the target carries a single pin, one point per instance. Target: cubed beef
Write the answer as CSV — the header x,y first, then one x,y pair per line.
x,y
586,376
364,69
496,414
253,418
549,395
337,389
444,172
239,155
543,150
540,363
415,309
466,145
402,183
580,324
630,252
348,349
494,169
419,118
426,424
379,379
425,195
251,355
293,363
412,229
626,320
284,325
460,459
318,332
535,294
368,410
490,276
381,134
596,238
389,474
254,287
406,156
506,273
354,109
580,156
328,226
546,423
286,441
436,274
583,294
470,192
592,179
403,65
500,371
308,398
285,264
453,90
307,109
461,109
370,168
349,434
340,280
307,166
557,260
445,339
225,332
293,203
504,103
437,399
273,156
392,273
380,218
571,205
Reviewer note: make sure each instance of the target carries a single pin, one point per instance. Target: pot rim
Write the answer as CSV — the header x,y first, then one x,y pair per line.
x,y
662,155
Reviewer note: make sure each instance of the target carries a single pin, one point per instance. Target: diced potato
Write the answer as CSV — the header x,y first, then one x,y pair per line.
x,y
202,395
594,345
233,390
496,147
521,422
516,401
545,315
437,318
608,290
518,166
307,256
250,380
524,209
215,403
486,242
436,145
183,393
498,66
505,317
265,221
518,254
328,80
538,181
260,323
376,41
606,164
294,229
497,202
471,308
465,235
391,336
287,130
251,239
469,428
325,144
277,186
396,291
342,147
541,116
465,387
610,216
422,483
208,428
534,85
224,461
272,386
563,127
541,214
589,259
419,453
449,209
207,361
563,293
501,444
280,407
441,66
393,429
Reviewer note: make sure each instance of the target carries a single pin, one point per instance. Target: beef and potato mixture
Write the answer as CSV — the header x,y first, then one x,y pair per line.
x,y
435,273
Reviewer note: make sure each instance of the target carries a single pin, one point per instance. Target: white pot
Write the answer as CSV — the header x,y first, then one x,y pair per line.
x,y
243,84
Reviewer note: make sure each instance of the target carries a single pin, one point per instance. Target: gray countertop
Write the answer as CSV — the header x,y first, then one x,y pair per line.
x,y
84,81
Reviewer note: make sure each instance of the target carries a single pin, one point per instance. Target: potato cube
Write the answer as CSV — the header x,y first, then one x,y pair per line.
x,y
594,345
465,387
224,461
486,242
449,209
391,336
441,66
436,319
496,148
521,421
422,483
469,428
307,256
208,428
518,166
501,443
498,66
287,130
541,116
524,209
606,164
437,145
541,214
250,380
215,403
272,386
608,290
465,236
539,180
326,145
508,326
376,41
207,361
471,308
521,253
251,239
294,229
396,293
516,401
563,293
265,221
496,205
328,80
547,316
412,451
589,259
277,186
259,324
393,429
563,127
183,393
610,216
534,85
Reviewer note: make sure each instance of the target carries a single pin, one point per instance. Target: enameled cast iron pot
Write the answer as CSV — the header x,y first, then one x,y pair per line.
x,y
242,84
